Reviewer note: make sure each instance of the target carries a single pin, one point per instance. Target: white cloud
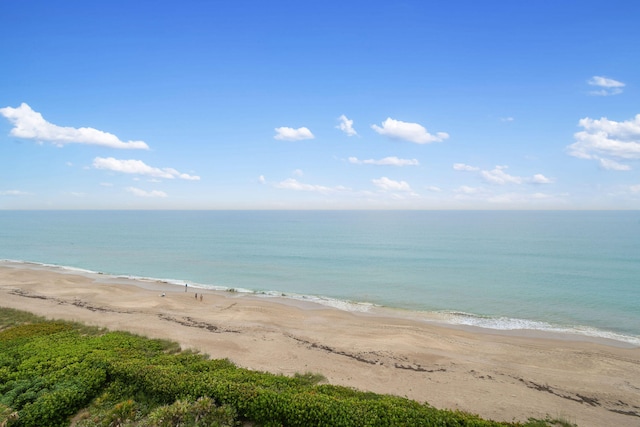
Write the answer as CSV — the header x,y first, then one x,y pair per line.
x,y
262,179
506,119
635,188
298,173
612,165
346,126
606,139
138,167
604,82
412,132
387,161
434,188
463,167
465,189
608,86
290,134
541,179
29,124
293,184
16,193
387,184
498,175
483,195
142,193
510,198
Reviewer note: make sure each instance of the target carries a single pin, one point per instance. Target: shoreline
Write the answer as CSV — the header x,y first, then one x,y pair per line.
x,y
449,319
498,374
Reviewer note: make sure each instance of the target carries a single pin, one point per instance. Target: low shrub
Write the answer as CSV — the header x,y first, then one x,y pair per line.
x,y
52,370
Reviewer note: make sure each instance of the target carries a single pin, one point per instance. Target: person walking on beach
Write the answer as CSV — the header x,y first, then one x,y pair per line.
x,y
185,287
201,297
196,296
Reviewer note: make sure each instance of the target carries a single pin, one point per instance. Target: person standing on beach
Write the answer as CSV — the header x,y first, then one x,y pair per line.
x,y
185,287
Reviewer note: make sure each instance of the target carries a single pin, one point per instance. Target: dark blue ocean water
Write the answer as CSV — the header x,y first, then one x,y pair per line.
x,y
560,270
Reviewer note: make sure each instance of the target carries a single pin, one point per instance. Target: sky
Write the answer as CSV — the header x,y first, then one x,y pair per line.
x,y
319,105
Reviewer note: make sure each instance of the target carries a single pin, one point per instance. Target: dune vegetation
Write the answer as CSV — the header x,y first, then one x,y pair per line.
x,y
57,373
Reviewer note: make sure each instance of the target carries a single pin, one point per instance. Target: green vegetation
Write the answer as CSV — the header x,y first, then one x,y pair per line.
x,y
55,373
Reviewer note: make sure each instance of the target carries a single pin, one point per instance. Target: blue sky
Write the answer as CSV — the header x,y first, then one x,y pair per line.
x,y
319,105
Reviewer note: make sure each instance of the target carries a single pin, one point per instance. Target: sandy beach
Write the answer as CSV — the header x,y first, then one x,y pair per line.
x,y
497,374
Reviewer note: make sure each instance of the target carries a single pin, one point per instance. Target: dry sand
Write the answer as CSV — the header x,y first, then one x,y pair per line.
x,y
498,375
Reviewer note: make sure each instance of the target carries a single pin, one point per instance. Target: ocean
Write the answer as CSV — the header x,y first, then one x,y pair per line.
x,y
565,271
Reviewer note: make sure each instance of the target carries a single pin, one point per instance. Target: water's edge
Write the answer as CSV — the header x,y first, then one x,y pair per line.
x,y
456,319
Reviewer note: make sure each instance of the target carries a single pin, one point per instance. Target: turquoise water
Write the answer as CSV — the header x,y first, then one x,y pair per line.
x,y
577,271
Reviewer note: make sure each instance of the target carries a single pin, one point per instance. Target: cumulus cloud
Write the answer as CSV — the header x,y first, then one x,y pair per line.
x,y
607,139
463,167
294,184
138,167
541,179
498,175
29,124
387,184
142,193
290,134
346,126
261,179
387,161
412,132
612,165
607,86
